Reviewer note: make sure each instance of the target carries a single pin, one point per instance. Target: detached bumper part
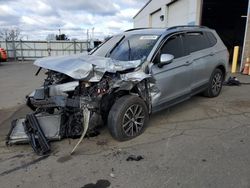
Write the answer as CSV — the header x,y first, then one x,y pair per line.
x,y
37,139
37,130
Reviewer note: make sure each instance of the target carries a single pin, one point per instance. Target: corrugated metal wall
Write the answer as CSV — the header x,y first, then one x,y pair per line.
x,y
175,12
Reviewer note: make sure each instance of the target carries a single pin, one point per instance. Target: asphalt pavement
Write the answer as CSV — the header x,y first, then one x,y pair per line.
x,y
199,143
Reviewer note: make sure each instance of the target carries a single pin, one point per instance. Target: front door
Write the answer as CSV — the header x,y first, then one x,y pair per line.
x,y
174,79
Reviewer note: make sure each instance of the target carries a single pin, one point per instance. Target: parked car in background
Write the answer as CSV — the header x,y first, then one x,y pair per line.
x,y
3,55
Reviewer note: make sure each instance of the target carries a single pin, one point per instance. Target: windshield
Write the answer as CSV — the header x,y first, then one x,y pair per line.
x,y
107,46
131,48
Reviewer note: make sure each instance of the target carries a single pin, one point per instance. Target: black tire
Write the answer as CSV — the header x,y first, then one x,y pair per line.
x,y
122,123
215,84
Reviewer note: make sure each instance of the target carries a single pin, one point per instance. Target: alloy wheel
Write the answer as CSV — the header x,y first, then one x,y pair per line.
x,y
217,83
133,120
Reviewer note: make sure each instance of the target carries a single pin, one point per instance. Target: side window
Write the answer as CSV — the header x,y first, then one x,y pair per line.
x,y
211,38
173,46
195,41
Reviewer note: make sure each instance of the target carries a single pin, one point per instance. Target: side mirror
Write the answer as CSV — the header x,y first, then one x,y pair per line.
x,y
165,59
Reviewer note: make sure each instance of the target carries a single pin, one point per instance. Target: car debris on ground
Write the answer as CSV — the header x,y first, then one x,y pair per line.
x,y
134,158
233,81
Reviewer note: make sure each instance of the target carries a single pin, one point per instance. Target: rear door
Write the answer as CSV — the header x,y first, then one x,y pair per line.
x,y
173,80
202,56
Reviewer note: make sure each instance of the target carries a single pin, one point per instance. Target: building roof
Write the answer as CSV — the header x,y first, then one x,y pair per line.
x,y
142,8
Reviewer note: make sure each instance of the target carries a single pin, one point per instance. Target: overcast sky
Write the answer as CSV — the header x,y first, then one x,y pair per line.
x,y
38,18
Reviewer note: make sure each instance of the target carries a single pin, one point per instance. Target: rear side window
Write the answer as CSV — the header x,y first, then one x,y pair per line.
x,y
195,41
211,38
173,46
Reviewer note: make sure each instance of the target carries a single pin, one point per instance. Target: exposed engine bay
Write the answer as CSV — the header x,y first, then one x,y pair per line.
x,y
76,97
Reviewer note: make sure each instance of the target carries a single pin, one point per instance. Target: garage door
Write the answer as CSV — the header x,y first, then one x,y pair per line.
x,y
155,19
178,13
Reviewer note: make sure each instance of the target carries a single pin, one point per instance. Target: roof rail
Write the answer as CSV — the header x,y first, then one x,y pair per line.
x,y
187,26
138,29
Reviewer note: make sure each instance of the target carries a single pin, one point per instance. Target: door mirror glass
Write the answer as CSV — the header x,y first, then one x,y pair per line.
x,y
165,59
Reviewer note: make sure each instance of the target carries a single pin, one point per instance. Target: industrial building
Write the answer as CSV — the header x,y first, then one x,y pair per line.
x,y
229,18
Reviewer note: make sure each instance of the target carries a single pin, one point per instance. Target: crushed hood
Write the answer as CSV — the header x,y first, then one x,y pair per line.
x,y
85,67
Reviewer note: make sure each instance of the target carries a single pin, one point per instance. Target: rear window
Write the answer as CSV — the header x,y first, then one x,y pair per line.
x,y
196,41
211,38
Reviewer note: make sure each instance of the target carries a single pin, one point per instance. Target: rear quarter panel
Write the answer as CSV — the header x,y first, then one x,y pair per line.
x,y
221,56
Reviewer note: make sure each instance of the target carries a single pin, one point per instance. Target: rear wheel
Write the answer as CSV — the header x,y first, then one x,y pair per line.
x,y
215,84
128,118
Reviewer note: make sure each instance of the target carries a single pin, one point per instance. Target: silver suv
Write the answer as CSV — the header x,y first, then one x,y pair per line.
x,y
128,77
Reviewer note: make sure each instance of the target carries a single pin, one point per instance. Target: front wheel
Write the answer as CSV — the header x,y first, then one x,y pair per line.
x,y
128,118
215,84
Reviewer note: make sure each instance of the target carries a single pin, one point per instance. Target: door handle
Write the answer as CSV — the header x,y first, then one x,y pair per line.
x,y
212,54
